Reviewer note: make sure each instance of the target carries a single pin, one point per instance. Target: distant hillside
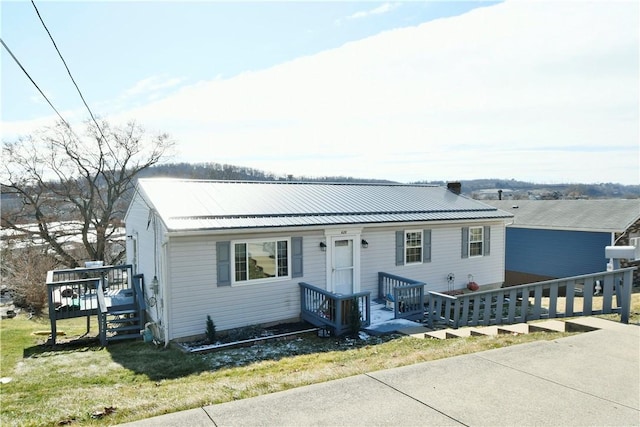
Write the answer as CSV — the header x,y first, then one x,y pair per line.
x,y
238,173
477,188
490,189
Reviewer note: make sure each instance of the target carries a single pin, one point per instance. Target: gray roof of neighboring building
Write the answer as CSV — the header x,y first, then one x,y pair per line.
x,y
610,215
204,205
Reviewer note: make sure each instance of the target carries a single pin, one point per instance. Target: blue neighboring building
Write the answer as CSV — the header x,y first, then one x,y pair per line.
x,y
550,239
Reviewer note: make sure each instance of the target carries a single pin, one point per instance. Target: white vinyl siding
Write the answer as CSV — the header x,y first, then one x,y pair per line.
x,y
195,294
445,259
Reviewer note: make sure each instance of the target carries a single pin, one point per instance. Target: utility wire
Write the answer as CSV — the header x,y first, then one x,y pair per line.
x,y
34,83
69,72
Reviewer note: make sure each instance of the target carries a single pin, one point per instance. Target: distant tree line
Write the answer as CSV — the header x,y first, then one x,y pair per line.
x,y
557,191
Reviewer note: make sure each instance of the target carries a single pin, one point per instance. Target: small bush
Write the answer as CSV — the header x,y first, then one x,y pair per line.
x,y
24,275
211,330
355,318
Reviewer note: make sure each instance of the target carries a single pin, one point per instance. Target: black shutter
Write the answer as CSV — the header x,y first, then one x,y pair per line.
x,y
426,245
399,247
486,247
296,257
465,242
223,263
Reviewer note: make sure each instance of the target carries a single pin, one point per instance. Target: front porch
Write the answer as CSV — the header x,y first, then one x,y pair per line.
x,y
403,302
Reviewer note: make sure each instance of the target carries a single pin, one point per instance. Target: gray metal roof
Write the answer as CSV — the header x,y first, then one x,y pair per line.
x,y
203,205
610,215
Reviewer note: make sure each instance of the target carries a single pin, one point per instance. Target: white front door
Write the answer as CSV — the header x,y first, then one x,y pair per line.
x,y
343,268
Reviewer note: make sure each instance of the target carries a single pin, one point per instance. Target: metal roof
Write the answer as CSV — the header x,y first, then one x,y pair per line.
x,y
609,215
204,205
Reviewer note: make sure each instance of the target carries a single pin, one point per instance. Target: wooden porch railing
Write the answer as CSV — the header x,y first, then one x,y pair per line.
x,y
334,311
82,292
407,295
535,301
116,276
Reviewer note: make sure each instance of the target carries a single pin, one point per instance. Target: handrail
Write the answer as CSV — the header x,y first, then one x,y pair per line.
x,y
102,314
323,308
81,270
525,302
407,294
138,294
388,281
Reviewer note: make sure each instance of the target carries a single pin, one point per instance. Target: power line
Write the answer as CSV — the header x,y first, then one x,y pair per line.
x,y
69,72
34,83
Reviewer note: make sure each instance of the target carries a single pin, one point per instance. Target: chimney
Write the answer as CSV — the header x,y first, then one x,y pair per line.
x,y
499,194
454,187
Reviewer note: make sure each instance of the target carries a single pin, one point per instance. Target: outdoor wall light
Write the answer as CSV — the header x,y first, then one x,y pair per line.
x,y
364,243
323,246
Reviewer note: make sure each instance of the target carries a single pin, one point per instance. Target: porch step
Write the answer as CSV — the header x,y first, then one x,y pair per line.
x,y
581,324
124,328
122,323
124,320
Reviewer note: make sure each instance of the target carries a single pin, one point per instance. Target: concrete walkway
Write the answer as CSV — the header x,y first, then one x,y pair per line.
x,y
589,379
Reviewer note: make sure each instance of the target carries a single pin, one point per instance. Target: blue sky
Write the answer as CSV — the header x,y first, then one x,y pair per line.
x,y
543,91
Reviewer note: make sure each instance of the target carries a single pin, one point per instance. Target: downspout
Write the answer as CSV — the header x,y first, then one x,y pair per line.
x,y
165,290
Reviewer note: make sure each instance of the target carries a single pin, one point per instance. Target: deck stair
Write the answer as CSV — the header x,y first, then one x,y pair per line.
x,y
569,325
123,322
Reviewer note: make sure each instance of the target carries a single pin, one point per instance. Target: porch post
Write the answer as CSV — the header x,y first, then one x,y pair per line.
x,y
625,293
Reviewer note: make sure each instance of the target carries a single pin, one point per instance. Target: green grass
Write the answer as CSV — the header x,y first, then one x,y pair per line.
x,y
70,383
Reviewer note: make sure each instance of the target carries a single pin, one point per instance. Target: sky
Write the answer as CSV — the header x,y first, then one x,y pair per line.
x,y
542,91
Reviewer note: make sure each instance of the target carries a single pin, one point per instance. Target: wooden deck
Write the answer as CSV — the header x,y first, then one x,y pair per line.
x,y
110,293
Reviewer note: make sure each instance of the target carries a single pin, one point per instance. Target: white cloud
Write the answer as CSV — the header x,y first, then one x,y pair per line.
x,y
383,8
151,85
543,91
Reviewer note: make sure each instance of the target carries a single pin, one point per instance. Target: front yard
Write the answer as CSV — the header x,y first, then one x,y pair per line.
x,y
87,384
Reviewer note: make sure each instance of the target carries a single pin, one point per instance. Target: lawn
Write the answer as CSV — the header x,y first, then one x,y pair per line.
x,y
87,384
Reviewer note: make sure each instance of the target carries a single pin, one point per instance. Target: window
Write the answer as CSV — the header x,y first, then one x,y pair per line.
x,y
476,241
413,246
258,260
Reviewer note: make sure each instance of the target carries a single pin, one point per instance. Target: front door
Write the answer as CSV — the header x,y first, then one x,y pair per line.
x,y
343,269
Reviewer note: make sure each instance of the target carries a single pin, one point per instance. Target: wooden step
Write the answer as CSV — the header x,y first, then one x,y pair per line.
x,y
124,320
121,337
124,328
122,312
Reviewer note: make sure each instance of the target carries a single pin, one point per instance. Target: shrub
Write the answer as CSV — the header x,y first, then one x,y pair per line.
x,y
24,274
211,330
355,318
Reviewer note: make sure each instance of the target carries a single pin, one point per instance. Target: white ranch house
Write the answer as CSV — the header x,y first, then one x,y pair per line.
x,y
241,252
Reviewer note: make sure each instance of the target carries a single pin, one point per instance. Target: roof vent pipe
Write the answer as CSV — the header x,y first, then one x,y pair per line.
x,y
455,187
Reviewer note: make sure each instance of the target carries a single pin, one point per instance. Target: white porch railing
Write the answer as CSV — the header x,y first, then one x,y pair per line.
x,y
541,300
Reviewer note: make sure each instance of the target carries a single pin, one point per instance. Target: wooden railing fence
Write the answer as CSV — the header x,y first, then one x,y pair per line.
x,y
566,297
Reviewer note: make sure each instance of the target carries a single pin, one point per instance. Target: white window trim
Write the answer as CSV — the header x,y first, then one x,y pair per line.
x,y
251,282
407,247
482,242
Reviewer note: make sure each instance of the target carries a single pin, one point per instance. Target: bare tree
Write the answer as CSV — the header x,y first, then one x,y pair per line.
x,y
66,191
